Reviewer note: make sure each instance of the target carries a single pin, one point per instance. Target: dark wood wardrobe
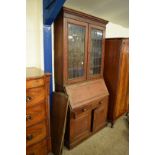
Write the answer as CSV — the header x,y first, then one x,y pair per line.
x,y
116,75
79,42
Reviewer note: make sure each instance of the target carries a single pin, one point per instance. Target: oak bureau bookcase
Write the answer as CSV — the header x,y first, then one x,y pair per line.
x,y
79,41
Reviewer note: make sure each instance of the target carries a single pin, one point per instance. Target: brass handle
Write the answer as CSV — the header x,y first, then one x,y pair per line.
x,y
29,137
100,102
84,109
28,98
28,117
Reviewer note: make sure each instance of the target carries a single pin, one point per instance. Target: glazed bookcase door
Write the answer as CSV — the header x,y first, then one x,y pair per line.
x,y
95,51
75,55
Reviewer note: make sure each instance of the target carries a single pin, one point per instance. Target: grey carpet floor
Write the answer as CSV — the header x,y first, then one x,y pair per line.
x,y
108,141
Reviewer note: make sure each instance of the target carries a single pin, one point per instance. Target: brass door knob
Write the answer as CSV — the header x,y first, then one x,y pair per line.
x,y
28,117
29,137
28,98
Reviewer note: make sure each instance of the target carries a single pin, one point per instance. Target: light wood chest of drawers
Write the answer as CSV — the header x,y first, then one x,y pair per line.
x,y
38,138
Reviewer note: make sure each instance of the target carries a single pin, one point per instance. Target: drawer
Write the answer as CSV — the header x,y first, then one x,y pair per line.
x,y
35,96
38,149
100,102
34,83
35,114
81,110
35,133
104,101
90,106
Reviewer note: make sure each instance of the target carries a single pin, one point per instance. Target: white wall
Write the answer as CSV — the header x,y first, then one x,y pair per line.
x,y
114,30
34,34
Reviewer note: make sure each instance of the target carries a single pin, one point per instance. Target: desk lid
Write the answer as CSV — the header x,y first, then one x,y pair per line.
x,y
83,93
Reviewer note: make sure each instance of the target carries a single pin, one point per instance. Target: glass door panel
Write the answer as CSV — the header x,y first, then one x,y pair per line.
x,y
96,52
76,51
95,59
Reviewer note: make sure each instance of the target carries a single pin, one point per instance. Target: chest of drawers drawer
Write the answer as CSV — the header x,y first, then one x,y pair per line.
x,y
36,133
38,149
35,114
35,83
35,96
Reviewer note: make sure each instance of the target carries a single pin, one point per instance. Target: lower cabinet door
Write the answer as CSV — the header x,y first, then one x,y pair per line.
x,y
99,117
38,149
80,127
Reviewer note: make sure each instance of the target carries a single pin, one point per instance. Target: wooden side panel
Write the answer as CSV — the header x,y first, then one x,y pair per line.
x,y
58,52
58,121
123,82
116,74
111,68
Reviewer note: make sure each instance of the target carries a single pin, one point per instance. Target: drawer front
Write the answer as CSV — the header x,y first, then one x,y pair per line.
x,y
100,114
104,101
80,127
81,110
38,149
34,83
35,133
35,96
35,114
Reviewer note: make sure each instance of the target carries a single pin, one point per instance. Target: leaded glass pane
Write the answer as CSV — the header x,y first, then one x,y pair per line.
x,y
76,51
95,52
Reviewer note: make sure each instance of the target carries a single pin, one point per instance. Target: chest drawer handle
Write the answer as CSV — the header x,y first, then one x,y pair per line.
x,y
28,98
28,117
29,137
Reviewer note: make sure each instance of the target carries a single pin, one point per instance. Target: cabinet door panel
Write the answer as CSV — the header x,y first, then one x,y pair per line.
x,y
96,49
80,126
75,51
100,115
